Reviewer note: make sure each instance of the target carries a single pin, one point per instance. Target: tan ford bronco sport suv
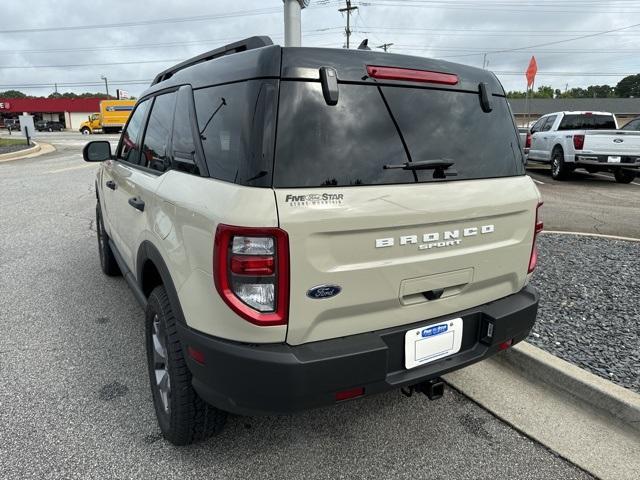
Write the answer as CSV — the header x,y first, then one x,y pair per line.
x,y
306,226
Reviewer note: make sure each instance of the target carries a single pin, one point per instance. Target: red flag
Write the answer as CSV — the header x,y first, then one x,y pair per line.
x,y
532,69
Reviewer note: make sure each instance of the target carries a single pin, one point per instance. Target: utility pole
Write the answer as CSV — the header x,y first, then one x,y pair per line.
x,y
106,84
385,46
348,9
56,87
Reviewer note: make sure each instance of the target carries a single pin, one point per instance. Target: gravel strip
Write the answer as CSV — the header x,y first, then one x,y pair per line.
x,y
589,310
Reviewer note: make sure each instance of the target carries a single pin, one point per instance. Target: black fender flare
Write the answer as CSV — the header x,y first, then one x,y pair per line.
x,y
148,252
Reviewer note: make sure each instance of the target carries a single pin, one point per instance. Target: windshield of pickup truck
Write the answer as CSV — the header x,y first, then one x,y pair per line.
x,y
586,121
351,142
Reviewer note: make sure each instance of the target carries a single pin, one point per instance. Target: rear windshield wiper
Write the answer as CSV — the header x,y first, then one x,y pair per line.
x,y
440,167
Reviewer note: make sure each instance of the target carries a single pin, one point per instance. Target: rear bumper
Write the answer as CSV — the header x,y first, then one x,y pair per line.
x,y
280,378
603,161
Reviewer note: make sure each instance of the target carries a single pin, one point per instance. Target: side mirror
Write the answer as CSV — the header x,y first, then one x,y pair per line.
x,y
97,151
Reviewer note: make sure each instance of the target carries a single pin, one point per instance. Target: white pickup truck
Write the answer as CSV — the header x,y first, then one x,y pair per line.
x,y
589,140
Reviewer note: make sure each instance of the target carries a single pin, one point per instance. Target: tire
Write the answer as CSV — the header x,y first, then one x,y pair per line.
x,y
107,259
183,417
592,169
624,176
559,169
85,131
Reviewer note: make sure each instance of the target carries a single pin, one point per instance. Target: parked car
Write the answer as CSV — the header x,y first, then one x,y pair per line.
x,y
387,237
589,140
522,133
48,126
12,124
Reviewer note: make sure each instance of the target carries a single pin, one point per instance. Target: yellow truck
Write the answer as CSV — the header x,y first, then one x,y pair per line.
x,y
111,119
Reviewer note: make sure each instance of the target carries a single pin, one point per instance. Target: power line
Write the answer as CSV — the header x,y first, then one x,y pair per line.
x,y
72,84
515,8
570,74
199,18
313,32
93,64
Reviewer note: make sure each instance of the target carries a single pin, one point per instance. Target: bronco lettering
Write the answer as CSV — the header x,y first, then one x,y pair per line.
x,y
448,238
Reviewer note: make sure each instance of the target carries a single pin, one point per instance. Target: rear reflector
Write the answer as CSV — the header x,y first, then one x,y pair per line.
x,y
197,355
411,75
505,345
538,226
351,393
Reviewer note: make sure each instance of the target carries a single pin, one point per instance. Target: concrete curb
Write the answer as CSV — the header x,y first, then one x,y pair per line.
x,y
40,148
602,394
20,153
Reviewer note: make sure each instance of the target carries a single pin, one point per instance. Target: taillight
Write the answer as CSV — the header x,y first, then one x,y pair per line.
x,y
411,75
251,272
533,259
527,142
578,142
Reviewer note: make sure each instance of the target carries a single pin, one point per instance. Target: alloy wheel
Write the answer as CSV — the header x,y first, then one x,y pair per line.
x,y
101,241
555,165
163,380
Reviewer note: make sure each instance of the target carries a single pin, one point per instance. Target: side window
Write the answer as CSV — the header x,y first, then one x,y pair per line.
x,y
632,125
237,128
129,150
158,133
536,126
549,123
184,149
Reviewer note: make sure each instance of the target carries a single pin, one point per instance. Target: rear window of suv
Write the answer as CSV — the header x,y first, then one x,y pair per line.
x,y
351,142
587,122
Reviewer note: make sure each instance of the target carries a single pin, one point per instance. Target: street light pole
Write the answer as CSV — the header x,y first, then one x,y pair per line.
x,y
106,84
293,22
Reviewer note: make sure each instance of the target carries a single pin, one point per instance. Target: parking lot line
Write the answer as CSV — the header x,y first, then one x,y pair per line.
x,y
70,168
537,181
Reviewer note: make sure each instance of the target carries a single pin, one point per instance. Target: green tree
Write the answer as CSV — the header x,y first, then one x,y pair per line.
x,y
516,94
629,86
544,91
13,94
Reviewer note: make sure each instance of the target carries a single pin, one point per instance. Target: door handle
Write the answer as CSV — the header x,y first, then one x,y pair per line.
x,y
111,184
137,203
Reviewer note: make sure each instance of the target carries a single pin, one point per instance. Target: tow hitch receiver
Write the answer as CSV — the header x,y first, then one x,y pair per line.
x,y
433,389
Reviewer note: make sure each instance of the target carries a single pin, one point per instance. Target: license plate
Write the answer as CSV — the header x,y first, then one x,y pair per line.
x,y
432,342
613,159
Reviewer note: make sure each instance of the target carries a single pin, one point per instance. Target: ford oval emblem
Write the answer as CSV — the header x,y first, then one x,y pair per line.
x,y
323,291
618,140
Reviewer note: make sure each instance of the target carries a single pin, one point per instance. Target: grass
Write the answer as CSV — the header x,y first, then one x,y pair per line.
x,y
5,142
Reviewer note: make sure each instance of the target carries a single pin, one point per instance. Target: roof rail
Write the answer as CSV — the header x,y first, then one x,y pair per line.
x,y
236,47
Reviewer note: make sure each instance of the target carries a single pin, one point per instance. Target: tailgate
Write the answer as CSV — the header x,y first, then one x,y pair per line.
x,y
612,142
390,248
401,241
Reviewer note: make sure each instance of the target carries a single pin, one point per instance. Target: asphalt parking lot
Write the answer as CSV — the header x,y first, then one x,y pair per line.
x,y
589,203
75,401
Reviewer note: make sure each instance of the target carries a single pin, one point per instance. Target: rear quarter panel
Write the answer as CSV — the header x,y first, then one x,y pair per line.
x,y
182,227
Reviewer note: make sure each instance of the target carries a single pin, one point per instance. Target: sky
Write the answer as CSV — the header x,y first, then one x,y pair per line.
x,y
74,43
